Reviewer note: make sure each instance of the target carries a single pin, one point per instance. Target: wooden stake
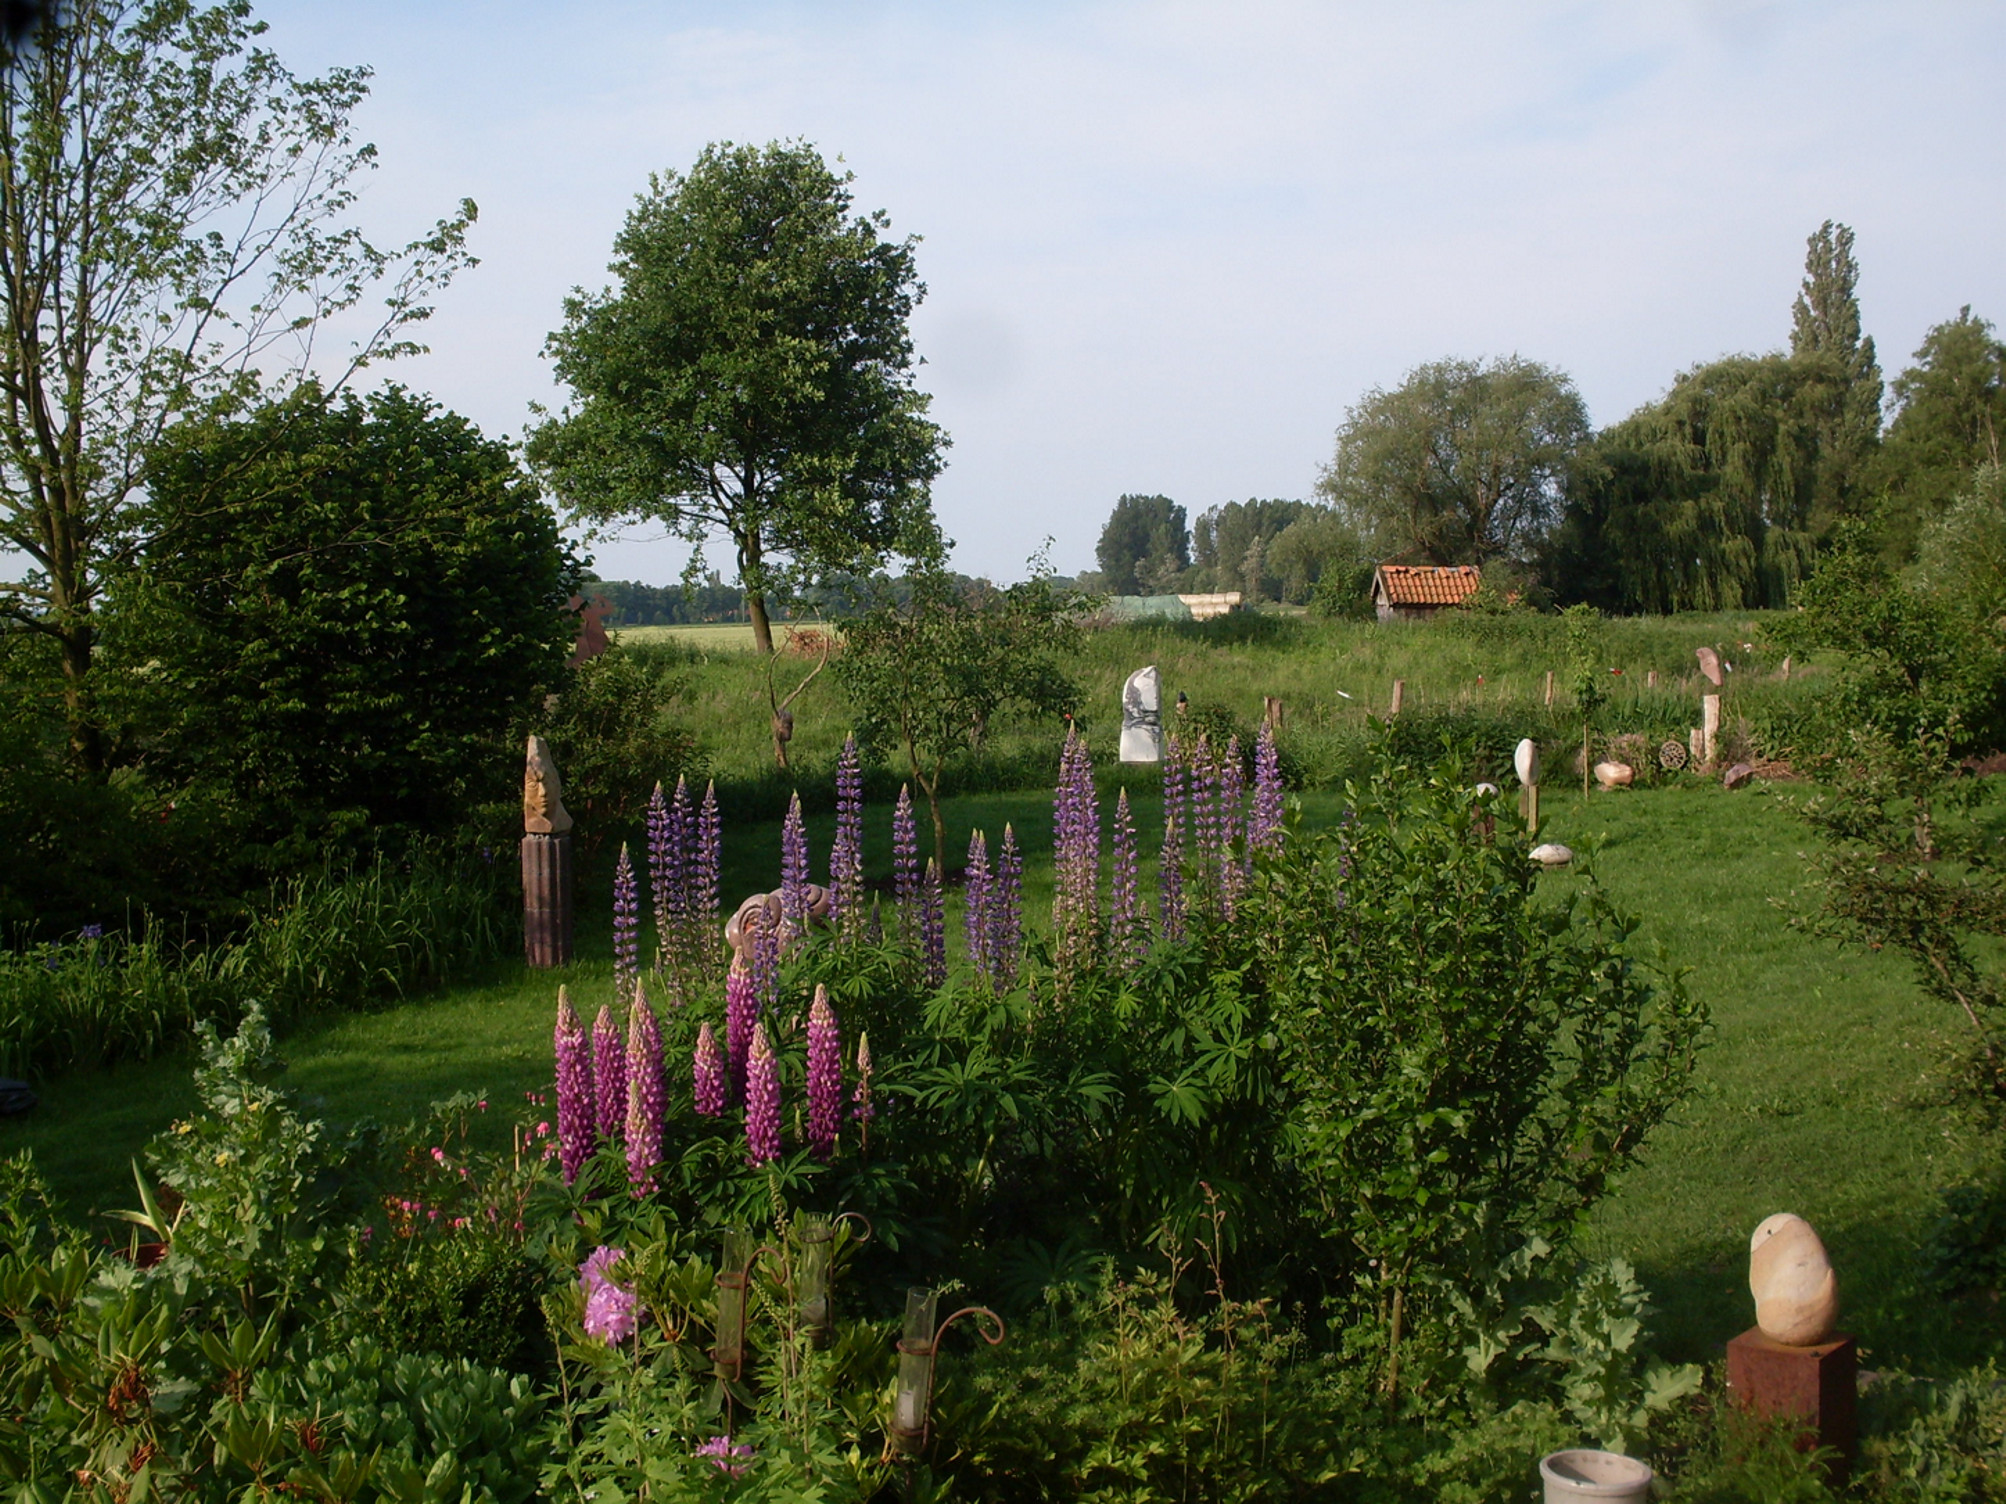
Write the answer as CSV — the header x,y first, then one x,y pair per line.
x,y
1399,689
1549,689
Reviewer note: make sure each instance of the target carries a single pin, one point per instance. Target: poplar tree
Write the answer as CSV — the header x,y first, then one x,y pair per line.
x,y
1844,392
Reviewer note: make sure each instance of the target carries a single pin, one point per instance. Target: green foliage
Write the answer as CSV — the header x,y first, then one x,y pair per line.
x,y
345,607
1950,413
614,733
751,373
1144,545
177,202
927,677
1845,397
324,942
1961,554
1233,544
1460,464
1936,1442
1465,1069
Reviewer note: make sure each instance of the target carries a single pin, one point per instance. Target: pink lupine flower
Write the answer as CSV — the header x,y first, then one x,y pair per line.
x,y
762,1100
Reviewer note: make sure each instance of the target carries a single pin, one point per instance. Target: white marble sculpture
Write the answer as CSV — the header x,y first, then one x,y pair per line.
x,y
1142,717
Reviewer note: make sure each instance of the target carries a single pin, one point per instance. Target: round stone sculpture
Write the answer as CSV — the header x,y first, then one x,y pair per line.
x,y
738,931
1552,854
1672,756
1796,1292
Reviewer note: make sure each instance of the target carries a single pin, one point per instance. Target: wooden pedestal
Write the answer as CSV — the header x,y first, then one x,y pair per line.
x,y
1818,1383
546,900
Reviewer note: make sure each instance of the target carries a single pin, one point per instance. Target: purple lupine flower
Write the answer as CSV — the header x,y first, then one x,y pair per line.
x,y
575,1107
644,1094
1264,826
626,928
975,919
709,1073
905,870
933,927
741,1011
1006,911
664,881
609,1073
794,869
704,882
874,927
681,939
1170,867
1076,859
762,1100
611,1310
1203,773
766,938
1128,926
846,852
862,1108
825,1076
1232,828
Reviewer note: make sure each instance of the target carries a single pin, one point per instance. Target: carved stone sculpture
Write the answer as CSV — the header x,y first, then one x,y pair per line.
x,y
738,928
1615,775
1552,854
1796,1292
1142,717
1709,665
543,812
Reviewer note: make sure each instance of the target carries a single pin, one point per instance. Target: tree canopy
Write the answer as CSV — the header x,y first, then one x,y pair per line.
x,y
1949,417
751,373
1462,463
1842,377
1232,543
173,208
1144,544
343,611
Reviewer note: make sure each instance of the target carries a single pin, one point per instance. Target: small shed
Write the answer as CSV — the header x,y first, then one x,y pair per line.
x,y
1415,592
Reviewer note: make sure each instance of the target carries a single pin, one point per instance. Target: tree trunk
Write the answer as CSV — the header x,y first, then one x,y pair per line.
x,y
87,744
762,629
749,556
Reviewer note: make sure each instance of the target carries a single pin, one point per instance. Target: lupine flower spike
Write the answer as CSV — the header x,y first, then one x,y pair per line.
x,y
905,870
1264,827
862,1108
644,1095
682,938
610,1307
762,1101
1170,867
975,918
1232,828
575,1107
933,928
664,880
1128,927
741,1011
794,869
825,1076
609,1074
1006,912
846,852
626,928
709,1073
1076,860
704,885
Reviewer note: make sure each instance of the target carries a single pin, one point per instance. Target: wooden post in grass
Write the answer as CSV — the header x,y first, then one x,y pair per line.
x,y
1549,689
1271,712
546,863
1399,689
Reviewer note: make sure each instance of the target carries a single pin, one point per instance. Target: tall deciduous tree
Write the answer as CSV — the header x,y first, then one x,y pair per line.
x,y
751,372
1950,417
1843,378
172,235
1232,542
1463,462
1144,541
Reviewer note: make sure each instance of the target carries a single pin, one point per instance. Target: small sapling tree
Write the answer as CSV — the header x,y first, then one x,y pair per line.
x,y
927,676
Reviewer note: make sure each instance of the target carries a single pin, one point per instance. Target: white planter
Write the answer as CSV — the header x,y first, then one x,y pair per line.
x,y
1584,1474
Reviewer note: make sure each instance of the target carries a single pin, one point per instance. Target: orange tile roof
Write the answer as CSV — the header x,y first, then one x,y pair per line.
x,y
1429,584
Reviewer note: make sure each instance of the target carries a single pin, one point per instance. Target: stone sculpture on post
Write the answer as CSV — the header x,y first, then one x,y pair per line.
x,y
1525,763
546,862
1794,1361
1142,717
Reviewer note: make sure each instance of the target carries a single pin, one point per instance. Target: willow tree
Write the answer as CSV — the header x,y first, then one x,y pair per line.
x,y
173,235
750,373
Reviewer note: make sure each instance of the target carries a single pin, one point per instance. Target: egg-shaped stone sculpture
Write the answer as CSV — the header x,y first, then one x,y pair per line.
x,y
1525,762
1796,1292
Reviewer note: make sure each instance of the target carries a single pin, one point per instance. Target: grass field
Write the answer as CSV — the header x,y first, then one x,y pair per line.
x,y
706,637
1819,1094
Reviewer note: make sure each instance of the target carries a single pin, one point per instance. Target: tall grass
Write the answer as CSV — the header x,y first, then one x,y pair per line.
x,y
323,943
1479,679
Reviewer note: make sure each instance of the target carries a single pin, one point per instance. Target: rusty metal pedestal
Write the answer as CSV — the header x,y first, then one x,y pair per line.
x,y
546,900
1820,1384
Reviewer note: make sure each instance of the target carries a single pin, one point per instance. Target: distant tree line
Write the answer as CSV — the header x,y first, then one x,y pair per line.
x,y
1722,494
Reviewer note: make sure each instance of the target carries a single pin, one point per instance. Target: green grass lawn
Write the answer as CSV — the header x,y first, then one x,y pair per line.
x,y
1819,1094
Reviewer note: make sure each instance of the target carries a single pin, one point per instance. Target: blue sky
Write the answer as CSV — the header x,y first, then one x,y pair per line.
x,y
1167,244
